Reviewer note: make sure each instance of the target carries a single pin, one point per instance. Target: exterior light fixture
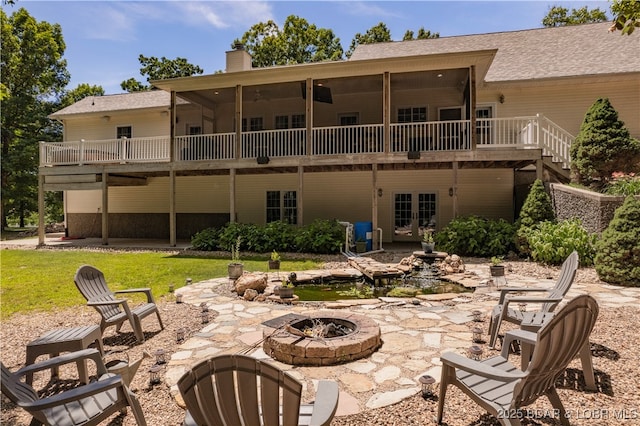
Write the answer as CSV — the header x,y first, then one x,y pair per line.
x,y
180,334
427,382
477,335
477,316
154,375
178,298
475,352
160,356
188,281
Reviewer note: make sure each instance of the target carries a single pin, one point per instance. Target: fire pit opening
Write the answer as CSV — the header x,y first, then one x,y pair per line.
x,y
322,339
322,328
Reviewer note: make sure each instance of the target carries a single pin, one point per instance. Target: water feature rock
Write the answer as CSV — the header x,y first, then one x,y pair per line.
x,y
254,280
250,294
452,264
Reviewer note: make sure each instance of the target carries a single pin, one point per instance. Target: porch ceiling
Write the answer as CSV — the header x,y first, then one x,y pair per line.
x,y
223,85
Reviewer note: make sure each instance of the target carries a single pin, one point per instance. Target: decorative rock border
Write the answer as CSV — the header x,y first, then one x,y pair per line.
x,y
291,349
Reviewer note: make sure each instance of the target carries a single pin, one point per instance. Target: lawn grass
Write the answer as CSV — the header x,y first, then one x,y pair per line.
x,y
42,280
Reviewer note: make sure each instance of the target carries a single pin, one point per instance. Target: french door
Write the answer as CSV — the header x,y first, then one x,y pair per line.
x,y
413,213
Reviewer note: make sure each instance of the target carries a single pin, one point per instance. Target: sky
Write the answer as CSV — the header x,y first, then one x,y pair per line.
x,y
104,38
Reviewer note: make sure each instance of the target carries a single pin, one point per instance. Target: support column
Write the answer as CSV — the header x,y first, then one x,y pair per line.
x,y
232,195
309,115
374,205
41,232
172,128
454,189
105,208
472,95
172,208
386,111
238,153
300,198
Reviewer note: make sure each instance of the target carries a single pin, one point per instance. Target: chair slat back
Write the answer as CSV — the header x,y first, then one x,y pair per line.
x,y
18,392
565,279
93,286
558,342
240,390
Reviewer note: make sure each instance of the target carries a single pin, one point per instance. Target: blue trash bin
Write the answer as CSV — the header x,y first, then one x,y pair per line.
x,y
364,231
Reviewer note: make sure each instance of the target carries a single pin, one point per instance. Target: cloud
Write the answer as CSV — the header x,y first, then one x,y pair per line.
x,y
370,8
224,14
105,22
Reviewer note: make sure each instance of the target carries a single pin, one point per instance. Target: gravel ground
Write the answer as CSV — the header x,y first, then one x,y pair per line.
x,y
615,343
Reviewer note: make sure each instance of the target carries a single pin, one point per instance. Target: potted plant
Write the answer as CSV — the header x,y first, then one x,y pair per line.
x,y
286,289
274,262
361,245
496,268
428,244
236,268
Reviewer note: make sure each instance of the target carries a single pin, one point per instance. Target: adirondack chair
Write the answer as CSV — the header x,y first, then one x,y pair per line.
x,y
93,286
503,312
85,405
241,390
501,388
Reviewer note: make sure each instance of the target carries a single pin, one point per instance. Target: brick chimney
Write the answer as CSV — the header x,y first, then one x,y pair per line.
x,y
238,59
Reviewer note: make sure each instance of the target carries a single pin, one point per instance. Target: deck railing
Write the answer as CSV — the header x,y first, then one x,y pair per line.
x,y
520,132
274,143
431,136
339,140
219,146
123,150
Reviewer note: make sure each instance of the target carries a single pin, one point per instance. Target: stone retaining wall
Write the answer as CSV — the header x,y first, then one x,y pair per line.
x,y
595,210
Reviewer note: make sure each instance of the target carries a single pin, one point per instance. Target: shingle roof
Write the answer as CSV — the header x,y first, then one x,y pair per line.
x,y
531,54
121,102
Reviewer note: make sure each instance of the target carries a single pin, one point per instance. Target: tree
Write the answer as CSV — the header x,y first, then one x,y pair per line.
x,y
33,73
422,35
626,15
80,92
159,69
376,34
603,146
617,259
297,42
537,208
559,16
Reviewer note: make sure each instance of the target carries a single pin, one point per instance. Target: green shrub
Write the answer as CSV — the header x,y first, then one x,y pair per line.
x,y
617,258
623,184
603,146
536,208
476,236
320,236
552,242
206,240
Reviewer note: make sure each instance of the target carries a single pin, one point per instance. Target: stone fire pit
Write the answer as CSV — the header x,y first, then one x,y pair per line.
x,y
322,338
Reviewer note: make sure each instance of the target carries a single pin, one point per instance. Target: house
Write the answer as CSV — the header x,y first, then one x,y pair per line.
x,y
401,135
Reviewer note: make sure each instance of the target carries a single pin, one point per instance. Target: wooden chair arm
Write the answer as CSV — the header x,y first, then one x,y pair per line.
x,y
326,404
92,354
505,291
481,368
145,290
75,394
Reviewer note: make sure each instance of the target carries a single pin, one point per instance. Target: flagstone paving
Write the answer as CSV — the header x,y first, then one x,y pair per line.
x,y
413,335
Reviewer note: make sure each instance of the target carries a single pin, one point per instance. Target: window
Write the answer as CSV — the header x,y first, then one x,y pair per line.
x,y
123,132
194,130
282,122
298,121
483,124
412,114
282,205
255,124
350,119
